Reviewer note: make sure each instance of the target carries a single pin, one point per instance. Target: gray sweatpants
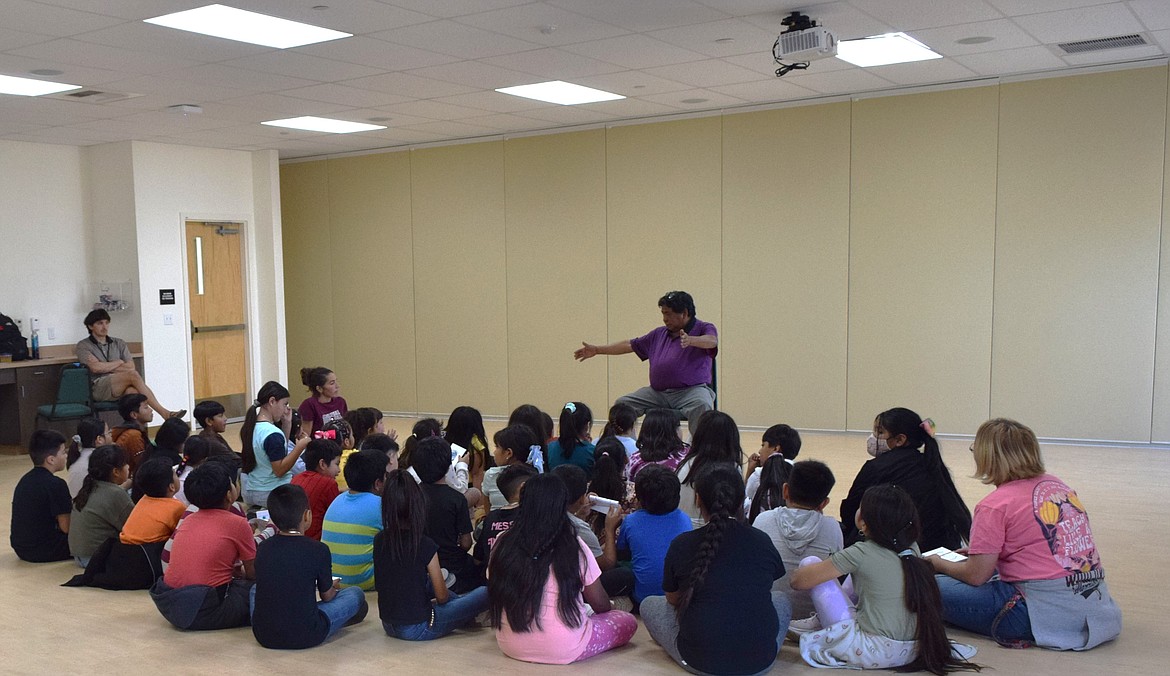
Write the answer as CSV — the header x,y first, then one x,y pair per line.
x,y
691,402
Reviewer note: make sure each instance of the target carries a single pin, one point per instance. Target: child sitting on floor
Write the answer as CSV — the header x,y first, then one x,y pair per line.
x,y
407,570
659,442
41,503
291,570
510,481
102,505
319,480
131,433
212,420
512,446
622,418
647,533
155,516
202,587
447,520
779,440
354,518
575,445
91,433
541,576
196,451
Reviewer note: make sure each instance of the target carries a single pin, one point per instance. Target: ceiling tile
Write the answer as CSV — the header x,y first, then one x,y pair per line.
x,y
10,39
911,14
632,83
847,81
35,17
844,20
295,64
453,129
1162,38
1081,24
284,106
635,51
410,86
1019,7
65,136
781,7
450,8
634,107
553,64
350,16
503,122
475,74
71,73
218,75
1154,14
1023,60
55,112
1006,34
764,64
644,15
154,123
126,9
695,99
104,56
525,22
765,91
493,101
456,39
343,95
707,73
569,115
923,72
182,44
375,53
737,36
434,110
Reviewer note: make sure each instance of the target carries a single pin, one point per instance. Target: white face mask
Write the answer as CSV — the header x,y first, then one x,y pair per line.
x,y
875,446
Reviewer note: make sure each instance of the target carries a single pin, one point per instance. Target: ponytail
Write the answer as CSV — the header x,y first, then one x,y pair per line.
x,y
575,419
609,459
102,464
88,430
271,390
720,489
423,429
195,451
621,420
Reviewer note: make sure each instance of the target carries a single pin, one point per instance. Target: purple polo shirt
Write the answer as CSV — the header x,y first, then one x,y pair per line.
x,y
671,365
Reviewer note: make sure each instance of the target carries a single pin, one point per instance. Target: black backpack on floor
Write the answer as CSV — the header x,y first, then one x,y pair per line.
x,y
11,342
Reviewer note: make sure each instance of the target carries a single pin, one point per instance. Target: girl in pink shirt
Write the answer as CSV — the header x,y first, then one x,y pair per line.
x,y
541,576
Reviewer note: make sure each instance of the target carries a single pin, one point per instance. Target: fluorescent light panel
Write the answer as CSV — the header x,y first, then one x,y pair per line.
x,y
25,86
882,50
322,124
244,26
562,93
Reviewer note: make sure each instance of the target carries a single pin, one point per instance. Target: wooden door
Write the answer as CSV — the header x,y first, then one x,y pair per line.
x,y
219,331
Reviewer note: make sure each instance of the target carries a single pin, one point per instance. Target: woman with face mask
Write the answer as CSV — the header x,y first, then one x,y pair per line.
x,y
898,434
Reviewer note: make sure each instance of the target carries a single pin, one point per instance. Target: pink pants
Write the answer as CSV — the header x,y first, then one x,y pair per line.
x,y
609,630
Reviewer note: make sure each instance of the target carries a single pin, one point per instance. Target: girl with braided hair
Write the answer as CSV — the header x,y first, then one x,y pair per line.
x,y
540,577
714,578
898,620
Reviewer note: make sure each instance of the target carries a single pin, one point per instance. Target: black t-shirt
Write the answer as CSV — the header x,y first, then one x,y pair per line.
x,y
37,501
494,524
403,594
730,626
290,571
905,467
447,519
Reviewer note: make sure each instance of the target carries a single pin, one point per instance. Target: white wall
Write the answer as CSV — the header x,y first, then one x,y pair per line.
x,y
44,237
113,249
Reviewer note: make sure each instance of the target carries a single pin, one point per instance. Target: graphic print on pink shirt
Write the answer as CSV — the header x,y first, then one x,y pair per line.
x,y
1065,525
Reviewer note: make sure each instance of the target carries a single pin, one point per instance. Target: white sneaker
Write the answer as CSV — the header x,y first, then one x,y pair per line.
x,y
963,651
801,627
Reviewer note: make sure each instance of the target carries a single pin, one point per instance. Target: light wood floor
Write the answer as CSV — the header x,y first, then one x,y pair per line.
x,y
49,628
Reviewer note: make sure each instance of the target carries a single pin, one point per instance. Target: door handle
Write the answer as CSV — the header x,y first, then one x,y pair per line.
x,y
212,329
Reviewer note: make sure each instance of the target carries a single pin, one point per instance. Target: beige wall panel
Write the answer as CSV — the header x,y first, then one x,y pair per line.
x,y
785,266
921,254
308,277
556,268
459,278
1161,419
1076,274
663,202
373,280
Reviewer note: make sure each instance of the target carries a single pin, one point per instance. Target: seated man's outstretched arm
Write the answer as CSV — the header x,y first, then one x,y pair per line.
x,y
588,350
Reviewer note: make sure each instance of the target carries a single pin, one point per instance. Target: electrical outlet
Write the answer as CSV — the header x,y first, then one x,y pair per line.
x,y
168,319
52,333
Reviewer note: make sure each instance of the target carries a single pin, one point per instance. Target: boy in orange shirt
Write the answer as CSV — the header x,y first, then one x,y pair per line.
x,y
155,516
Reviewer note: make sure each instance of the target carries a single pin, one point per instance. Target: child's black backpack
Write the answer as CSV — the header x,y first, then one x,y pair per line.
x,y
11,342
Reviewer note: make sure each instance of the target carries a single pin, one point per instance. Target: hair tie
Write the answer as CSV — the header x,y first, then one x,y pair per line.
x,y
605,454
906,553
325,434
255,403
571,407
77,439
928,426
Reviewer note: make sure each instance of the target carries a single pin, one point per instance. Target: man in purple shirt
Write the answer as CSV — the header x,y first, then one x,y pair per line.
x,y
681,354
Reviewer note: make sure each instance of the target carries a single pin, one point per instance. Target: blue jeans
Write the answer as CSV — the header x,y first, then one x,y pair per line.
x,y
975,608
344,606
456,612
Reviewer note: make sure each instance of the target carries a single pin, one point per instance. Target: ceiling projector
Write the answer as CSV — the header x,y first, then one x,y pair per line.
x,y
804,41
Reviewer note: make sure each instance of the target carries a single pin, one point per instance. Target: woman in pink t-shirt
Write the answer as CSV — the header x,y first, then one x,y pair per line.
x,y
540,577
1034,531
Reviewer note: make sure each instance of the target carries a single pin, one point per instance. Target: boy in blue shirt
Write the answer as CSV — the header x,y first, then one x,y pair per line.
x,y
41,503
354,518
285,613
647,533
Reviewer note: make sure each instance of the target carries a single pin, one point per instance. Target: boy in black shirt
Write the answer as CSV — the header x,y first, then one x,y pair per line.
x,y
448,522
41,503
510,481
284,613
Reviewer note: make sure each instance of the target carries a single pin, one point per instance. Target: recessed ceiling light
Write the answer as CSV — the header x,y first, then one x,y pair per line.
x,y
47,72
244,26
323,124
882,50
26,86
974,40
563,93
694,100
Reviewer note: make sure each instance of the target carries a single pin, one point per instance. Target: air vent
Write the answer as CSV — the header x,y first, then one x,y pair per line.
x,y
1102,44
94,96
